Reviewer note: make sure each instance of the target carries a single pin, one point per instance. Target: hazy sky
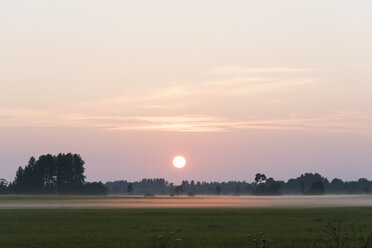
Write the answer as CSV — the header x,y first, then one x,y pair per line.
x,y
237,87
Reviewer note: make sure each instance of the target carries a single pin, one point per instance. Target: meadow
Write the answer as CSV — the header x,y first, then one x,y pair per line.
x,y
183,227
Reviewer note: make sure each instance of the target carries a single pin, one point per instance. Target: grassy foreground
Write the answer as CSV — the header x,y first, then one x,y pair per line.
x,y
195,227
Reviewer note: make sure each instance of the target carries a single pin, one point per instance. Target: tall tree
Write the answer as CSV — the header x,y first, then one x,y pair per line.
x,y
62,174
70,172
47,166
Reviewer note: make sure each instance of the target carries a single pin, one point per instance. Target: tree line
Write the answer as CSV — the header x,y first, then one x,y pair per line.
x,y
306,184
64,174
52,174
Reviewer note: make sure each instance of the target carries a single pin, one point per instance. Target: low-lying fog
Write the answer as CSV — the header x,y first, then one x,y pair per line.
x,y
9,202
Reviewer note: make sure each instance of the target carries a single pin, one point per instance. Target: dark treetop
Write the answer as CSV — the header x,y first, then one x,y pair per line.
x,y
61,174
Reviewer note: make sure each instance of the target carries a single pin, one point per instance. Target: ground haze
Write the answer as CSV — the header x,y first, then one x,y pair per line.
x,y
22,202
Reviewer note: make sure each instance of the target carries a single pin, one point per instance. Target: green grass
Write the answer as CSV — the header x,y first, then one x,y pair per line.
x,y
195,227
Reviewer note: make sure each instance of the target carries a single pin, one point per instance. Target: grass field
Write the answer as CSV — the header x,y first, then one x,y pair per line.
x,y
219,227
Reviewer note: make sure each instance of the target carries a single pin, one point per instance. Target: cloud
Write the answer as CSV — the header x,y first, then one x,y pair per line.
x,y
177,123
225,81
271,86
240,80
177,107
342,121
236,70
151,98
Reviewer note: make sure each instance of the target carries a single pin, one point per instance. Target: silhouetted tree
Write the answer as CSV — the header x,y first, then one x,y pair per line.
x,y
18,183
218,189
269,187
317,188
93,189
130,188
48,173
61,174
260,178
237,190
302,189
293,186
70,172
178,189
3,186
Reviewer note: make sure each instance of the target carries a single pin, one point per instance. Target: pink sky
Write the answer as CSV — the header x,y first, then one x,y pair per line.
x,y
237,88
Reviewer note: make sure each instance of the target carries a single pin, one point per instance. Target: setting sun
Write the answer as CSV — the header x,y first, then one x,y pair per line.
x,y
179,162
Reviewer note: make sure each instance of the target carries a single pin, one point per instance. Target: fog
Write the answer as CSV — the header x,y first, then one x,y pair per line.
x,y
29,202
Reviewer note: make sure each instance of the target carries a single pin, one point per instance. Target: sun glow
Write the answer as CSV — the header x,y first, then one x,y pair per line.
x,y
179,162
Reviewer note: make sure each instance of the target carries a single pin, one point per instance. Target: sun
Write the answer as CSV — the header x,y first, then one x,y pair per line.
x,y
179,162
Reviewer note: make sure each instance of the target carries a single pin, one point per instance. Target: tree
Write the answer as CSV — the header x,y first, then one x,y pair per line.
x,y
130,188
302,188
18,180
270,187
3,186
61,174
70,173
317,188
260,178
93,189
178,189
237,190
28,180
218,189
47,167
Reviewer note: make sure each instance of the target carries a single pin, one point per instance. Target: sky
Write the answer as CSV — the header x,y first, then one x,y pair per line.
x,y
237,87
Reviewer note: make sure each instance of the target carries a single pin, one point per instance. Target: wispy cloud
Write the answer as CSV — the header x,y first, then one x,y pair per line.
x,y
240,80
270,86
160,109
224,81
236,70
337,122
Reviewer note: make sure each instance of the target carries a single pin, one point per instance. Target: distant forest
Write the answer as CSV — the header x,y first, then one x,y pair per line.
x,y
306,184
64,174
